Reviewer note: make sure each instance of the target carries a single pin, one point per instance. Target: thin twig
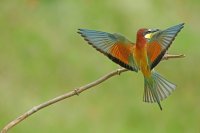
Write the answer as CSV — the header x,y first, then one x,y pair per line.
x,y
170,56
76,91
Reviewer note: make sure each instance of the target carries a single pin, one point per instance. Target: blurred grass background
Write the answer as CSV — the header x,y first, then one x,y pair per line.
x,y
42,56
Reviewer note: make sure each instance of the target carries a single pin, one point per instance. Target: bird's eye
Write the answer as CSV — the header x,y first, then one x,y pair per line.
x,y
146,32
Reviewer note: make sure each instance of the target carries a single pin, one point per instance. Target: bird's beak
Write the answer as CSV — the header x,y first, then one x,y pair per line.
x,y
153,30
150,32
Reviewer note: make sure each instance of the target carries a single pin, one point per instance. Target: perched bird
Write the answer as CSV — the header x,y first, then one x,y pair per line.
x,y
150,47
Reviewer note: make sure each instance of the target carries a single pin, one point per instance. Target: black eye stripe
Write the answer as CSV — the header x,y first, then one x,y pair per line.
x,y
146,32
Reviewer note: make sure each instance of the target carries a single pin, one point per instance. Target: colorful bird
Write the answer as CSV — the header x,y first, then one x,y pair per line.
x,y
150,47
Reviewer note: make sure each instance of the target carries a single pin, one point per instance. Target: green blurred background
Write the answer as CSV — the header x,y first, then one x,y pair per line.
x,y
42,56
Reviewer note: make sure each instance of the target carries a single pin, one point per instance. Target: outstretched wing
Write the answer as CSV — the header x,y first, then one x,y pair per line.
x,y
114,46
160,42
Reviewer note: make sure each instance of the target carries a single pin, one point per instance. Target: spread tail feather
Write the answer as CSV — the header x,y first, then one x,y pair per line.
x,y
157,88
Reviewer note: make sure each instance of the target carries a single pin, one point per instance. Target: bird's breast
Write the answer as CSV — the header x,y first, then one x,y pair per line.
x,y
142,61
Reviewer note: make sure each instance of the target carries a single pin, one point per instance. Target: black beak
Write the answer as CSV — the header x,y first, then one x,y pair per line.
x,y
149,31
152,30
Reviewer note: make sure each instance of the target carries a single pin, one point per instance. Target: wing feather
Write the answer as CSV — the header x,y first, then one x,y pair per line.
x,y
115,46
160,42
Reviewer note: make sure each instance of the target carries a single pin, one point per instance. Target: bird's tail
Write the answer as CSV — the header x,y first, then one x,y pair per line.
x,y
157,88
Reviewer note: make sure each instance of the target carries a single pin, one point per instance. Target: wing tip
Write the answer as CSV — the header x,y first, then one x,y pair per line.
x,y
179,26
182,23
80,31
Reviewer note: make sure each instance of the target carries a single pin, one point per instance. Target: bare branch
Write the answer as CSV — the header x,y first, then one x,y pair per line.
x,y
171,56
76,91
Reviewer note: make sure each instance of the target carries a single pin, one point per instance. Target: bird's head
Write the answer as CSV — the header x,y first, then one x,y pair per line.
x,y
144,34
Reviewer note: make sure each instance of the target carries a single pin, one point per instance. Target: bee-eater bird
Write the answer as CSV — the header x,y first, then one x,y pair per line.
x,y
150,47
